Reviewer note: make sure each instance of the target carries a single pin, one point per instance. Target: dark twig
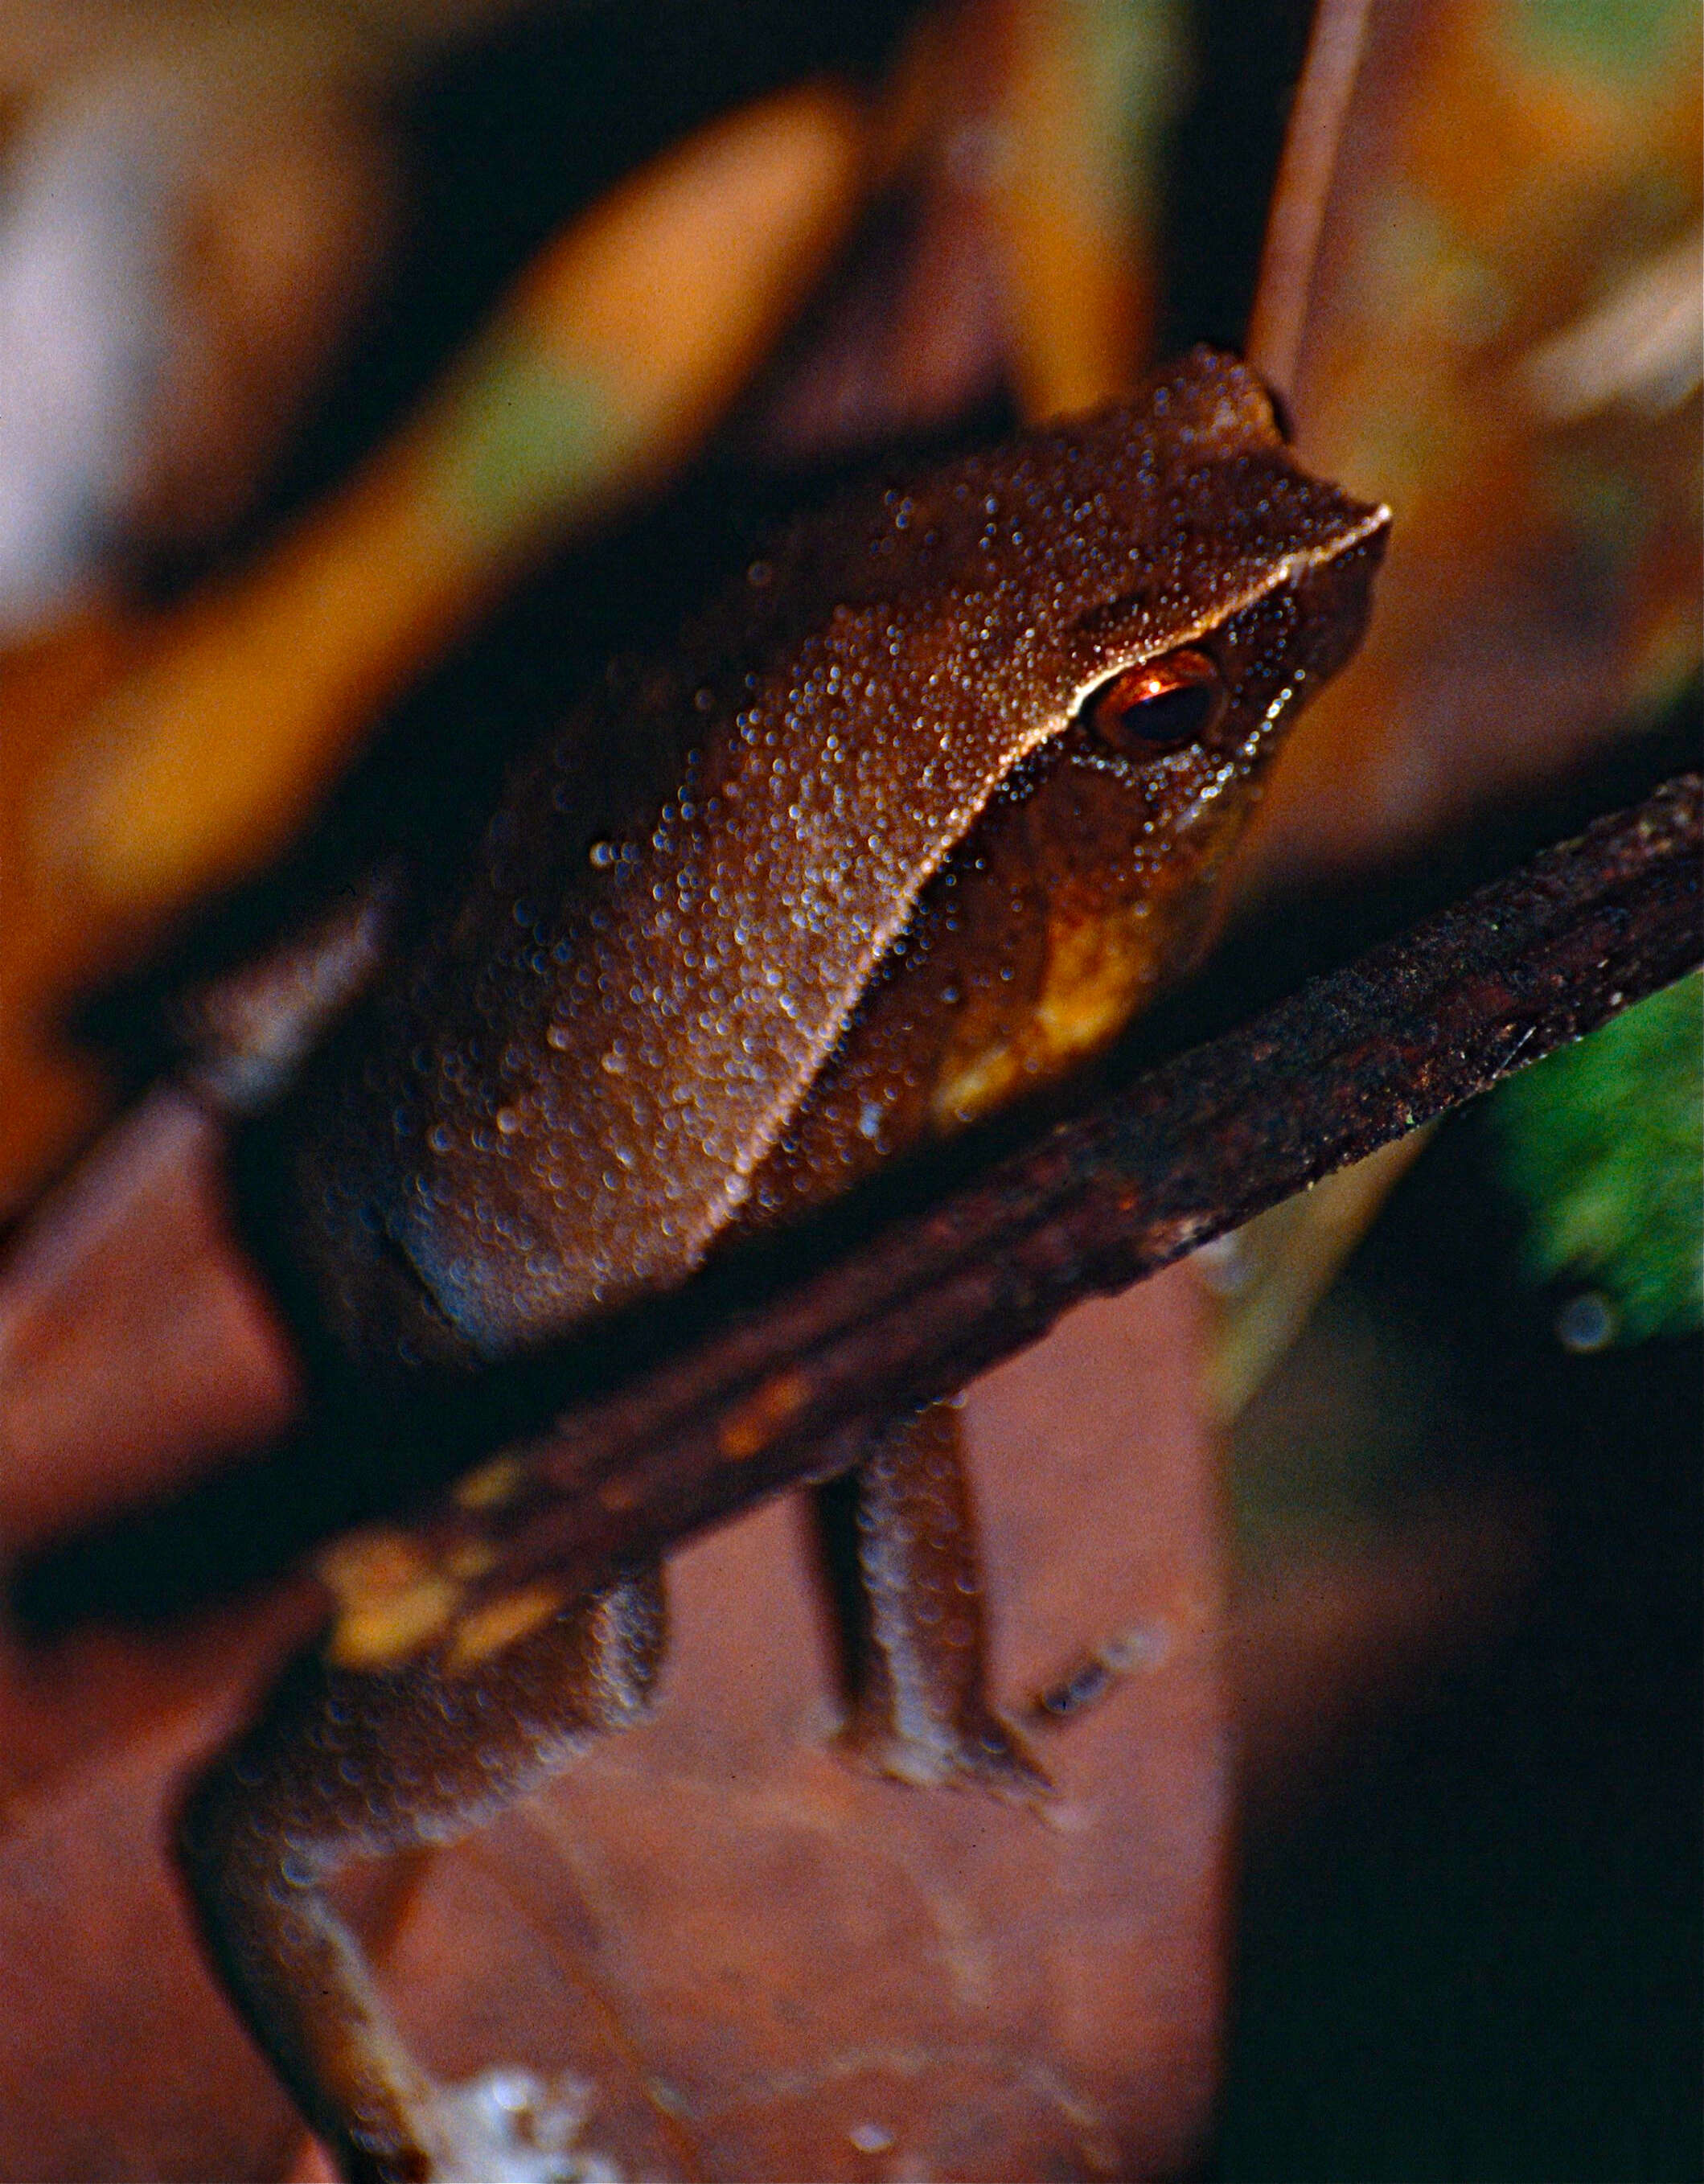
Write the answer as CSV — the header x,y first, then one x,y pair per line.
x,y
1303,190
1185,1152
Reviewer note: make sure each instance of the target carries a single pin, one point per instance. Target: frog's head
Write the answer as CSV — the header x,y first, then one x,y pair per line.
x,y
1131,610
1150,594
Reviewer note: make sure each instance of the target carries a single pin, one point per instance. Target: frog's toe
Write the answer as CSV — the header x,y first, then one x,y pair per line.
x,y
982,1754
510,2126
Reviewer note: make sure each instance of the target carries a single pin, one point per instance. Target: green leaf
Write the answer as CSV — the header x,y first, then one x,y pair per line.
x,y
1604,1145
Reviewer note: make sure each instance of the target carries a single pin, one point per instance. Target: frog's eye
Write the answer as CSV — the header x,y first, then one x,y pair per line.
x,y
1159,706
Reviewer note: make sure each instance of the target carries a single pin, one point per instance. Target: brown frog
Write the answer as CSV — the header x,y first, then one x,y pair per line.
x,y
917,818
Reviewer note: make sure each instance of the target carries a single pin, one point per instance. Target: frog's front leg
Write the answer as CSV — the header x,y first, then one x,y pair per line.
x,y
921,1711
346,1763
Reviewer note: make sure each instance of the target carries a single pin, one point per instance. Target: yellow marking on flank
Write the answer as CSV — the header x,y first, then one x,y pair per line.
x,y
487,1629
757,1421
1099,972
1096,972
975,1088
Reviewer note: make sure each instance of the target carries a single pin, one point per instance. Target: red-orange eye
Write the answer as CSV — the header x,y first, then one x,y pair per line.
x,y
1159,706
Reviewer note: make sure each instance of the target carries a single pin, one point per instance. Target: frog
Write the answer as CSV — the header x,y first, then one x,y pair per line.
x,y
911,822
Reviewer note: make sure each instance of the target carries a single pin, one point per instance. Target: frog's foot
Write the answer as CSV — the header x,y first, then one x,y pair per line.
x,y
510,2126
980,1754
352,1761
921,1712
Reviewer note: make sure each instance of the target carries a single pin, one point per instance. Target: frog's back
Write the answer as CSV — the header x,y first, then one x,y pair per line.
x,y
563,1097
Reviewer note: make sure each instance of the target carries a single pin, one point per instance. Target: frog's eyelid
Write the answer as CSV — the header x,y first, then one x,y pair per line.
x,y
1367,523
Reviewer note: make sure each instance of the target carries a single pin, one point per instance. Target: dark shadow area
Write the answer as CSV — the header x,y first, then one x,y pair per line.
x,y
1223,157
1476,1955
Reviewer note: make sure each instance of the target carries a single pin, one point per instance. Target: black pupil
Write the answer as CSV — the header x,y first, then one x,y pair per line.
x,y
1177,715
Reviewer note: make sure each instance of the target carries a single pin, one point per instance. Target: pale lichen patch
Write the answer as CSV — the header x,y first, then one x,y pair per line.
x,y
380,1632
488,1628
492,1483
763,1415
469,1559
392,1598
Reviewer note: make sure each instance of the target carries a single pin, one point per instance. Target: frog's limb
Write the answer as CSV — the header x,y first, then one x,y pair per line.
x,y
347,1763
921,1711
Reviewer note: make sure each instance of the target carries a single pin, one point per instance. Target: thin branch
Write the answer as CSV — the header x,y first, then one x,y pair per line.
x,y
1354,1059
1303,189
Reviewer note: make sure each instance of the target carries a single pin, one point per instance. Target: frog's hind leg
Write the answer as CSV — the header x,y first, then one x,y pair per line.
x,y
351,1761
920,1710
